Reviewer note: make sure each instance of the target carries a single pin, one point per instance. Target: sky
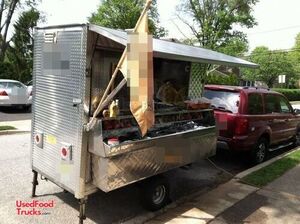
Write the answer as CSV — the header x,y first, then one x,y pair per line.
x,y
278,20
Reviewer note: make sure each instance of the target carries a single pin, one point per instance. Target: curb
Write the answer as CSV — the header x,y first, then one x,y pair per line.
x,y
12,132
264,164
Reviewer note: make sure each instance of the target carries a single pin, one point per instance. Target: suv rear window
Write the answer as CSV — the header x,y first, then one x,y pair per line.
x,y
223,99
255,104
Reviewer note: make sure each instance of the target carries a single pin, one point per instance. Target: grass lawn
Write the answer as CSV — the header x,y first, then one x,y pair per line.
x,y
6,127
269,173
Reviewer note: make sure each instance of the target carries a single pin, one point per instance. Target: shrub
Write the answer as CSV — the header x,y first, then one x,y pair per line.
x,y
291,94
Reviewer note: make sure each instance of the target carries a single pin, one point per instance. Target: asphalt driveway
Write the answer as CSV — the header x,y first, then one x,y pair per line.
x,y
13,114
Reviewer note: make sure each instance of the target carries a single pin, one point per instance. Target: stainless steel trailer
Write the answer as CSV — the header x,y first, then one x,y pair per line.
x,y
71,66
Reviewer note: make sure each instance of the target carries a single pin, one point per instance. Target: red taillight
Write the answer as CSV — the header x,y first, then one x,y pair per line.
x,y
241,126
3,93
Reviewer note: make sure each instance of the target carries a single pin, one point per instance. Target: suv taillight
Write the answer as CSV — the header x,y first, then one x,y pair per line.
x,y
3,93
241,126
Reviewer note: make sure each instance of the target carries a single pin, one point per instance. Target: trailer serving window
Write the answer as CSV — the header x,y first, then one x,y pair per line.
x,y
169,75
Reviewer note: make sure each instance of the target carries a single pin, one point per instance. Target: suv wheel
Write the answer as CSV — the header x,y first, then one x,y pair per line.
x,y
297,138
259,153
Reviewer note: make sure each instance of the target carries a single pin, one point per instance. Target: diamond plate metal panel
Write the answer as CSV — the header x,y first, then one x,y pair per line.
x,y
59,77
158,156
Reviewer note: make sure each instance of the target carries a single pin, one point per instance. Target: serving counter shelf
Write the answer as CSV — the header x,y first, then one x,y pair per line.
x,y
179,137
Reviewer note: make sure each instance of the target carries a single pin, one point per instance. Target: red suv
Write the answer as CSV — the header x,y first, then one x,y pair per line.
x,y
252,119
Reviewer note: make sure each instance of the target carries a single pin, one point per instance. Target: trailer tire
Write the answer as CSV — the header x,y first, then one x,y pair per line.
x,y
155,193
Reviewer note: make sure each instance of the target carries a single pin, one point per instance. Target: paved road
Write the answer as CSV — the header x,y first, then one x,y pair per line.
x,y
236,163
116,206
13,114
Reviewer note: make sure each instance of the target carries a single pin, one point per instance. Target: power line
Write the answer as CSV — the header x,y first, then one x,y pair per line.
x,y
275,30
270,52
169,20
255,33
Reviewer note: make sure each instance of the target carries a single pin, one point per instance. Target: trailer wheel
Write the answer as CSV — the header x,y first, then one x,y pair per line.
x,y
155,193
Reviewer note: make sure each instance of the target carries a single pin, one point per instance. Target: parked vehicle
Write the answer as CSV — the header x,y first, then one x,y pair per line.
x,y
14,93
29,89
252,119
29,86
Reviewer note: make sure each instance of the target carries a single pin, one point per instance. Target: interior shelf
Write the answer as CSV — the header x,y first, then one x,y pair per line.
x,y
158,114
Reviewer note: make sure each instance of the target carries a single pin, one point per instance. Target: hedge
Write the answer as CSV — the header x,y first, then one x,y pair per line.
x,y
291,94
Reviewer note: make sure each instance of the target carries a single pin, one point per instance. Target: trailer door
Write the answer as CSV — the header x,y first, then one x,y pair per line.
x,y
58,108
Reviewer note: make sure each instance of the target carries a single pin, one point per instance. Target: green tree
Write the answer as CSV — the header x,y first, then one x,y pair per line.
x,y
213,22
272,64
123,14
21,52
234,47
8,8
294,55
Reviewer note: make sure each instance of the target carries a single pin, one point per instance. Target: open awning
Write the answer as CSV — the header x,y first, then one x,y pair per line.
x,y
176,51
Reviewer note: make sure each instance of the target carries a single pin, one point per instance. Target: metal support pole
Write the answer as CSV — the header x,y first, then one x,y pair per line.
x,y
82,204
34,183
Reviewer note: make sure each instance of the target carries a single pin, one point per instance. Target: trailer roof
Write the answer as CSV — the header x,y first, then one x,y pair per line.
x,y
177,51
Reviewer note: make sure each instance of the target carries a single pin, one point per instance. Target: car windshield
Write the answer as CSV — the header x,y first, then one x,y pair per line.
x,y
223,99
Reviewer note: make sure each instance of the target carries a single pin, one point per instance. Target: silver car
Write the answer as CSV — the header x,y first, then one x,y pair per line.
x,y
14,93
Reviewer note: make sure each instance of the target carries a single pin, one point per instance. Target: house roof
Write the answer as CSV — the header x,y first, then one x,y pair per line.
x,y
176,51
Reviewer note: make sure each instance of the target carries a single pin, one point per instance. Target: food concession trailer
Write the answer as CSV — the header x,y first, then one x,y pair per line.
x,y
72,66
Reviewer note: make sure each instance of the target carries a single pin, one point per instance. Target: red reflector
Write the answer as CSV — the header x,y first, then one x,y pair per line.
x,y
241,126
37,139
64,152
3,93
